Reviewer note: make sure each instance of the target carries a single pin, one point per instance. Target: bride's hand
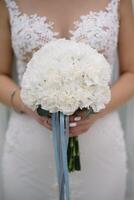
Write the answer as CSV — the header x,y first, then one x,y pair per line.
x,y
79,123
44,121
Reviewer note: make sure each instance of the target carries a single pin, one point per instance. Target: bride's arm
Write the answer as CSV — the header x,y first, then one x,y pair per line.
x,y
6,56
123,89
7,85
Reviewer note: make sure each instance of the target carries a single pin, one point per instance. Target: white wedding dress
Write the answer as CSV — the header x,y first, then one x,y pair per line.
x,y
28,161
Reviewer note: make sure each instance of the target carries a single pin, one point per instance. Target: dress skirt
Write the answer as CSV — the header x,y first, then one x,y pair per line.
x,y
29,170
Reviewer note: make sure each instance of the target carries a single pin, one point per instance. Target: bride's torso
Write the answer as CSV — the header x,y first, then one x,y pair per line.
x,y
34,23
95,22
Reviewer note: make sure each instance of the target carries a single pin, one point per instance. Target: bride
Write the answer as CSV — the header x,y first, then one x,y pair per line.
x,y
28,159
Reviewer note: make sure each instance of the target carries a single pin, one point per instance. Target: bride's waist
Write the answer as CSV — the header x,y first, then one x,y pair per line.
x,y
24,120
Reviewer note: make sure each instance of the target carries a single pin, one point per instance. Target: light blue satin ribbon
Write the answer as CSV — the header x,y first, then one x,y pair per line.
x,y
60,141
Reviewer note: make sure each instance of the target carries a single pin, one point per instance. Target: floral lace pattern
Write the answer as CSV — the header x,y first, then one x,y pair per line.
x,y
99,29
30,32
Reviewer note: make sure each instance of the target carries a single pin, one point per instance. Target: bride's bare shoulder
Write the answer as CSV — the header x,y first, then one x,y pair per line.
x,y
5,40
126,36
3,10
125,5
4,16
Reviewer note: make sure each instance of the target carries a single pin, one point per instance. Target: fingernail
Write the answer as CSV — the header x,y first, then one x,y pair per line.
x,y
77,119
74,124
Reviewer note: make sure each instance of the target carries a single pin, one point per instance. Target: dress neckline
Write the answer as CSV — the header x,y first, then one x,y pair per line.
x,y
50,23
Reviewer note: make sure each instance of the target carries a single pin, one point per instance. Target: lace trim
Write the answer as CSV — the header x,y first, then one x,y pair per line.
x,y
112,4
16,11
97,26
99,29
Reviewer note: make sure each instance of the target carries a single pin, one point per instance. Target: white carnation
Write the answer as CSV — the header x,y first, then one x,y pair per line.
x,y
64,76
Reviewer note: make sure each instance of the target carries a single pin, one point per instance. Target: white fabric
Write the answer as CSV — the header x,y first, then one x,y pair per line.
x,y
29,166
28,160
127,118
3,126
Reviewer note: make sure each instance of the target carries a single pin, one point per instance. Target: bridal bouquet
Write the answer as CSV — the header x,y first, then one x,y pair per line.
x,y
62,77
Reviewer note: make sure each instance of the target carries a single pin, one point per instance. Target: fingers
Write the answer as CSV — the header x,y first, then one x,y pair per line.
x,y
47,125
44,121
75,117
80,127
88,121
80,115
82,122
78,131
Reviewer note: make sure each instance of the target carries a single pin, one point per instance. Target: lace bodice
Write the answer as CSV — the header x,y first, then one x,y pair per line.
x,y
30,32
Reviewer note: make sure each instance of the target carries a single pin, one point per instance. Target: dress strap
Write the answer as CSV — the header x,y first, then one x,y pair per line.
x,y
113,3
12,8
113,7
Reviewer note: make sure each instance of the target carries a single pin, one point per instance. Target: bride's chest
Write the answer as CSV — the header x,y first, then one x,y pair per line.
x,y
98,29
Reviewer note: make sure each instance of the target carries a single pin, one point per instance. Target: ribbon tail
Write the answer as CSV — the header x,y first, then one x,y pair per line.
x,y
56,144
60,141
64,155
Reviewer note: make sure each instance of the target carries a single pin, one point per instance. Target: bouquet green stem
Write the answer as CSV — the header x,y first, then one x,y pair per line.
x,y
73,154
